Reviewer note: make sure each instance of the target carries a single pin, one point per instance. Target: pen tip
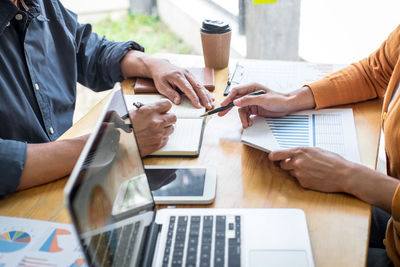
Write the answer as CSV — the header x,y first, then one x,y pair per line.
x,y
203,115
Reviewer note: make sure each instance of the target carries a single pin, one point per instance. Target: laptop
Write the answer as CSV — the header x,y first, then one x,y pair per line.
x,y
128,230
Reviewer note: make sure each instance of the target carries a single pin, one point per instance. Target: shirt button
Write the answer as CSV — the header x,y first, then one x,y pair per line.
x,y
37,87
51,130
18,17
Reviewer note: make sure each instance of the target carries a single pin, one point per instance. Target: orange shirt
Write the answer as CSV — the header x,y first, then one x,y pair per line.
x,y
375,76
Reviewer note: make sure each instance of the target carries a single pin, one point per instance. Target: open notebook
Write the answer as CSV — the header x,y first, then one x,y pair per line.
x,y
188,130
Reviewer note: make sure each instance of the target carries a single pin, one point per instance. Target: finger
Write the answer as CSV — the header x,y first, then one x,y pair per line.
x,y
244,117
240,91
183,84
167,90
168,120
203,94
169,130
282,154
249,100
162,106
286,164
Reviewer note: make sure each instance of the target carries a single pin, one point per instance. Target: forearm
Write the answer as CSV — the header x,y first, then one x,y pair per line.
x,y
372,187
50,161
301,99
137,64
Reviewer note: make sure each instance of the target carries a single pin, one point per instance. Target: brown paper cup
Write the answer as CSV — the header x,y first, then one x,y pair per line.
x,y
216,49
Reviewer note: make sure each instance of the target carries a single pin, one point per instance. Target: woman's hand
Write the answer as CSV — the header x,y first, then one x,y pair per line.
x,y
325,171
315,168
271,104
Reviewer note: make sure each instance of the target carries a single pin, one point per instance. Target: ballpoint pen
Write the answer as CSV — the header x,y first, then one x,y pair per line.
x,y
216,110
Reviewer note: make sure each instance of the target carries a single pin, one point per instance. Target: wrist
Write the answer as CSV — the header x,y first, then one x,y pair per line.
x,y
301,99
135,64
351,179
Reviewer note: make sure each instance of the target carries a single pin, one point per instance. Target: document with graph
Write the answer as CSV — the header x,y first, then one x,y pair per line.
x,y
26,242
330,129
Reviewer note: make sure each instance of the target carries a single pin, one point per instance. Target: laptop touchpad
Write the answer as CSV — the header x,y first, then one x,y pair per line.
x,y
281,258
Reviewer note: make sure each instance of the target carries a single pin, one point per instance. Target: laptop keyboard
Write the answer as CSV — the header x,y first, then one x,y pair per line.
x,y
114,247
203,241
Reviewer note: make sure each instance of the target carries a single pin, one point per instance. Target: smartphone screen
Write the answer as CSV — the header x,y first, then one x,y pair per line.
x,y
176,182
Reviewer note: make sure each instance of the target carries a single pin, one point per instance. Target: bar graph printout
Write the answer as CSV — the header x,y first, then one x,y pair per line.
x,y
330,129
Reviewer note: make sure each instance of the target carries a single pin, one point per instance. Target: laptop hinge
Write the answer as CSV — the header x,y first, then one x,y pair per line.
x,y
151,245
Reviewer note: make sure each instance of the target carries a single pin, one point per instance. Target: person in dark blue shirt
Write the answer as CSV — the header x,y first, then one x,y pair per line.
x,y
44,52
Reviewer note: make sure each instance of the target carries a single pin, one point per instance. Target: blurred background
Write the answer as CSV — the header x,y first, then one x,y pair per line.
x,y
323,31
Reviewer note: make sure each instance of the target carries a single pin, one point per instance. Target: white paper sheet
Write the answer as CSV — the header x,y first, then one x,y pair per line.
x,y
280,76
330,129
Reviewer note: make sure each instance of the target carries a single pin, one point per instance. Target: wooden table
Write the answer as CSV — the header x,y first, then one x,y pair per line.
x,y
338,223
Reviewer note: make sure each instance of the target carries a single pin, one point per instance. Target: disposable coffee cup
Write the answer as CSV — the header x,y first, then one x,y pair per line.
x,y
216,42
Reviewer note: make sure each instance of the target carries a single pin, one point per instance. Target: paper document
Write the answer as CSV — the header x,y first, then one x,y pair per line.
x,y
25,242
330,129
188,130
280,76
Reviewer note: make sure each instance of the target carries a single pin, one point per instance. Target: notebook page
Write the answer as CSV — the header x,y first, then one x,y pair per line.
x,y
185,140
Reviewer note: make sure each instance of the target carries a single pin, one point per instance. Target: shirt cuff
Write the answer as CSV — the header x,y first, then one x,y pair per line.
x,y
322,94
12,162
119,52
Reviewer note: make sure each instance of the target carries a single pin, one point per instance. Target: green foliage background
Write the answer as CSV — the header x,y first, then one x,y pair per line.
x,y
149,31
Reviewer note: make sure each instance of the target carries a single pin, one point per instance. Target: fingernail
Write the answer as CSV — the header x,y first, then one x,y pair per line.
x,y
176,100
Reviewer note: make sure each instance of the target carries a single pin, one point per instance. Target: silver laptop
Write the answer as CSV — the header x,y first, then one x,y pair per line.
x,y
127,230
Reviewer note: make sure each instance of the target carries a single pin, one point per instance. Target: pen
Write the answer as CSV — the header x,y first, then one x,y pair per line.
x,y
216,110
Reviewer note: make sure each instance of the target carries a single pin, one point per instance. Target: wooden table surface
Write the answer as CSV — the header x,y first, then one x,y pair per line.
x,y
338,224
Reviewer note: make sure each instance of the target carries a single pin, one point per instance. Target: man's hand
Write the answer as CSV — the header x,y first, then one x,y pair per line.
x,y
168,78
153,126
271,104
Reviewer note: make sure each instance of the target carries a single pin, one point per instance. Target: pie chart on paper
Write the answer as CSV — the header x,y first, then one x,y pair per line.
x,y
13,241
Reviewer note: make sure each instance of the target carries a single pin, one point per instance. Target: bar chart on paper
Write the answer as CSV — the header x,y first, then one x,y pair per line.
x,y
292,130
331,129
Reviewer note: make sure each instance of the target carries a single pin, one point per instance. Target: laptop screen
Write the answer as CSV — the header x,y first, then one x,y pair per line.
x,y
108,195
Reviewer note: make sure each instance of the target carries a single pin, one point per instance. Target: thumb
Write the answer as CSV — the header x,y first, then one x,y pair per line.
x,y
162,106
249,100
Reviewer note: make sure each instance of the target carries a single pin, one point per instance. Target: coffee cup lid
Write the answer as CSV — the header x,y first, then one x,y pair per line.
x,y
215,26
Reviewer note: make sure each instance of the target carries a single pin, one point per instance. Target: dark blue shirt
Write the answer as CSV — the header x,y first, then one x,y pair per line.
x,y
44,52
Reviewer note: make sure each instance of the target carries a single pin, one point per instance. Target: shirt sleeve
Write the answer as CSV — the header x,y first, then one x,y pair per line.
x,y
366,79
392,241
12,161
98,60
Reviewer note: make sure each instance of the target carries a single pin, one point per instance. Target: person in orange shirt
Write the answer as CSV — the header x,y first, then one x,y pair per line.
x,y
376,76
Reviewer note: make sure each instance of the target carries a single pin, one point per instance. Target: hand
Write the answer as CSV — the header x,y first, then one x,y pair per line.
x,y
168,78
271,104
153,126
316,168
